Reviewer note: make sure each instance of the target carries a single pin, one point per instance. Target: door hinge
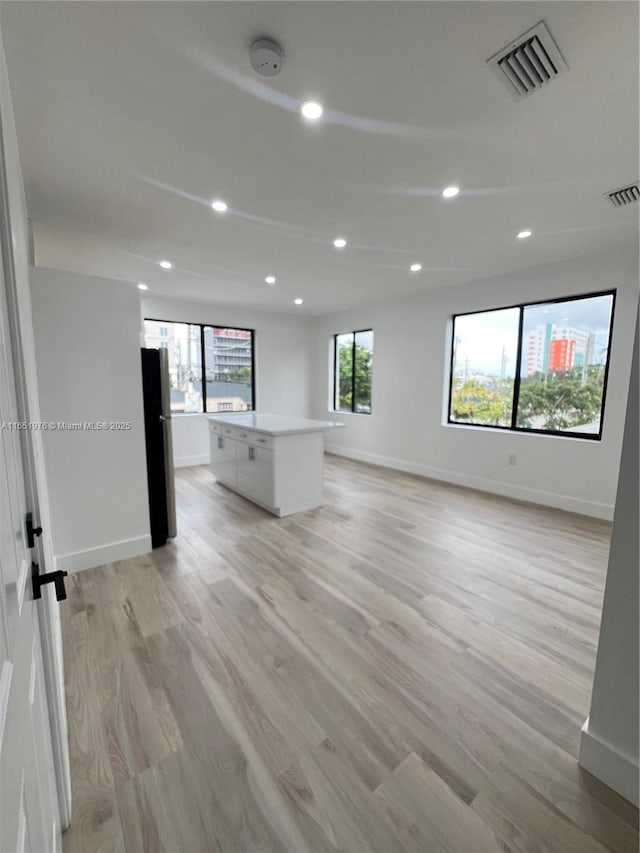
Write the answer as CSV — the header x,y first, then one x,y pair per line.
x,y
32,531
39,580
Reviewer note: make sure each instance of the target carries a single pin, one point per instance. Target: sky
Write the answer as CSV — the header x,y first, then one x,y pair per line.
x,y
591,315
364,339
480,338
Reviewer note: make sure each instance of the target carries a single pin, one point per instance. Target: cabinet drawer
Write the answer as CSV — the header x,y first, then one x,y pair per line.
x,y
215,429
256,439
259,439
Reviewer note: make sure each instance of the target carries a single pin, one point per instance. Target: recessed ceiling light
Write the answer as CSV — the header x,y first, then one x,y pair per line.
x,y
142,286
219,206
298,301
270,279
166,265
450,192
339,242
415,267
522,235
312,110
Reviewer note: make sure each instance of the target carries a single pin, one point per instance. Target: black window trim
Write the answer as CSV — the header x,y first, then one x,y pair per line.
x,y
516,382
352,411
202,364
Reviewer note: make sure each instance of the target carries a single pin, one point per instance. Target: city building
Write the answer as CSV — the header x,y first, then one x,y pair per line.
x,y
561,354
552,347
227,353
228,365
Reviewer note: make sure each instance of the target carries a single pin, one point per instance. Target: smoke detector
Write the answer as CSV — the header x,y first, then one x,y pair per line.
x,y
266,57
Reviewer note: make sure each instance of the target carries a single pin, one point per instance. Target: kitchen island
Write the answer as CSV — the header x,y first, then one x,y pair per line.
x,y
273,460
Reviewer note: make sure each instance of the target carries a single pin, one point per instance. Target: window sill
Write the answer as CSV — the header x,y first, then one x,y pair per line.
x,y
590,439
209,414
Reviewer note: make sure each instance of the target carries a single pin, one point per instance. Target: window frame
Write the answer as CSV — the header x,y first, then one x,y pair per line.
x,y
202,360
353,373
521,306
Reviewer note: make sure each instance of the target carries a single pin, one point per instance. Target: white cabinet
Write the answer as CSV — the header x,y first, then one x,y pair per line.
x,y
223,459
275,462
255,473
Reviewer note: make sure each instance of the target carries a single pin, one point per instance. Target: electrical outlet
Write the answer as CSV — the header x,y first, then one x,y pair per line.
x,y
512,460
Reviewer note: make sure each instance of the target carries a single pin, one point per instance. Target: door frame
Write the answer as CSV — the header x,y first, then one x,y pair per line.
x,y
14,236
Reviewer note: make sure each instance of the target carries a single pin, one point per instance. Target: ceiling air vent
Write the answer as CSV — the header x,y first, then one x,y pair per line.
x,y
529,62
625,195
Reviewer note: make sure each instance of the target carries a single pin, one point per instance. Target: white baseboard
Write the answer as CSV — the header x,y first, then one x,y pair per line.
x,y
110,553
482,484
188,461
614,768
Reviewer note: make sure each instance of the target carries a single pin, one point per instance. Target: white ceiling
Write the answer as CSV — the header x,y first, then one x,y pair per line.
x,y
132,117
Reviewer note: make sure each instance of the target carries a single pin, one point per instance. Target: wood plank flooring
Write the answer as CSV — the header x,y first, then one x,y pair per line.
x,y
405,669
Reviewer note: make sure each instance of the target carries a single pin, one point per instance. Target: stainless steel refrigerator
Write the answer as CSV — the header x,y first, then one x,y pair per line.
x,y
156,393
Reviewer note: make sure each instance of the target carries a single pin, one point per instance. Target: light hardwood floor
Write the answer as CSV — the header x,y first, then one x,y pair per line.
x,y
404,669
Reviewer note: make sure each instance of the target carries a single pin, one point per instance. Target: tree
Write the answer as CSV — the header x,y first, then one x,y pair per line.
x,y
559,401
364,361
240,374
487,402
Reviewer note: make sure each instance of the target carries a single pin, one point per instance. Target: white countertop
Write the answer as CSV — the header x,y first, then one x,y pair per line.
x,y
273,424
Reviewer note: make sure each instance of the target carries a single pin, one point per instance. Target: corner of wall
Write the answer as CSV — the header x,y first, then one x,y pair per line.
x,y
617,770
110,552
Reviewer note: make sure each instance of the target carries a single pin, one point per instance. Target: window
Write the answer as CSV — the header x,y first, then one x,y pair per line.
x,y
210,368
228,361
353,363
540,367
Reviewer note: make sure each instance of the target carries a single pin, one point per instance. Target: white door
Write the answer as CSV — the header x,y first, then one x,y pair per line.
x,y
28,799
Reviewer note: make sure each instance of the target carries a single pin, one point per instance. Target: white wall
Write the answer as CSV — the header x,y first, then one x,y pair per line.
x,y
411,357
282,352
87,333
609,742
